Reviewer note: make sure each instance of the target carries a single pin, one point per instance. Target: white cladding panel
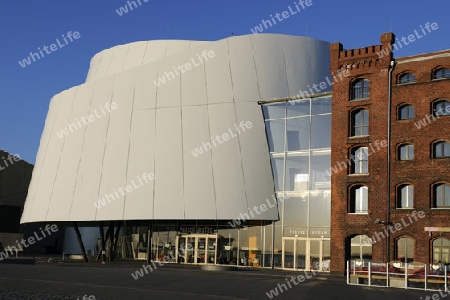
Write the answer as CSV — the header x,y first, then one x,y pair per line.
x,y
201,133
145,87
62,196
243,71
114,171
199,196
168,203
218,74
227,163
118,60
50,167
141,161
40,158
135,55
90,164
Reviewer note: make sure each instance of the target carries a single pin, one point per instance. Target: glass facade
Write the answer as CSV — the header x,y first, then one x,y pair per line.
x,y
299,138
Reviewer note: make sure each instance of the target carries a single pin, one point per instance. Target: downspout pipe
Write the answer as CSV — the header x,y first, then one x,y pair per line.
x,y
388,201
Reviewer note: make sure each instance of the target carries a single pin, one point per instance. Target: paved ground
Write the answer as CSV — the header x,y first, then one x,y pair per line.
x,y
75,280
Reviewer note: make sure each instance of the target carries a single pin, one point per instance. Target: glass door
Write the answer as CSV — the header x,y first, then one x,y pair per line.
x,y
304,254
182,250
301,255
211,254
315,259
288,254
197,249
190,250
201,250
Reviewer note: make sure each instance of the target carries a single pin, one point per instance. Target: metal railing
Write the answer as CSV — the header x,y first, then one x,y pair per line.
x,y
398,274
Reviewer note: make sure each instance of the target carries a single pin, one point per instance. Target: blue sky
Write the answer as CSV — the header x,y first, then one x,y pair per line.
x,y
26,25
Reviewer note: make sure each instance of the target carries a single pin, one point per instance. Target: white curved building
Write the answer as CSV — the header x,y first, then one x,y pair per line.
x,y
172,134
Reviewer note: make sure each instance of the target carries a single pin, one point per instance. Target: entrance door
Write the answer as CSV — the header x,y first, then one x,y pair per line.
x,y
197,248
306,254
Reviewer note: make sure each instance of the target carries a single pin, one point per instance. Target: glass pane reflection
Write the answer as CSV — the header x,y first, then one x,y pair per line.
x,y
298,108
274,111
321,105
297,172
297,134
275,135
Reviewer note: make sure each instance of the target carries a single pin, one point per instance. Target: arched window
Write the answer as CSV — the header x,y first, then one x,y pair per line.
x,y
360,89
441,195
360,122
406,78
441,73
360,158
359,200
441,108
405,249
441,251
405,196
406,152
361,248
406,112
441,149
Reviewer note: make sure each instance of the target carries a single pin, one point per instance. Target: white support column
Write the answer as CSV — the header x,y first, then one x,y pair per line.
x,y
387,274
406,275
348,272
445,280
370,273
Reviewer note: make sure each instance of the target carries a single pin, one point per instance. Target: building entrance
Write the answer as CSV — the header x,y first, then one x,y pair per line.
x,y
306,254
197,248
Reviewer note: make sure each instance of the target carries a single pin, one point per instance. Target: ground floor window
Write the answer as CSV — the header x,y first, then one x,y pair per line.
x,y
405,249
361,248
441,251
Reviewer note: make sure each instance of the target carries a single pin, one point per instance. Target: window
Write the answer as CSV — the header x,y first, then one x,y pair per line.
x,y
441,149
441,251
441,195
405,196
360,122
441,73
406,152
361,248
406,112
441,108
406,78
360,157
405,249
359,200
360,89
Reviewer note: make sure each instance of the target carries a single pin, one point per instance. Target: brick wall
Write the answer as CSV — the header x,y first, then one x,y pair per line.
x,y
369,63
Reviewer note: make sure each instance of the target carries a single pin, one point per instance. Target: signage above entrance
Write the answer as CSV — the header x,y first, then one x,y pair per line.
x,y
195,229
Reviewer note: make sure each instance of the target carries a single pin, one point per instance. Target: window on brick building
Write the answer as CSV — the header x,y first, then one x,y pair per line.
x,y
406,78
361,248
405,249
441,251
406,152
360,158
441,108
359,199
441,195
360,89
441,73
441,149
405,196
360,122
406,112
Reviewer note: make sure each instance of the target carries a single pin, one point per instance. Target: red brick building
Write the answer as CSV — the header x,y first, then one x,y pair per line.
x,y
390,157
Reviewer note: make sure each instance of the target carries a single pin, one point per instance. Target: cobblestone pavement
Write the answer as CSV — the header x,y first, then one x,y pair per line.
x,y
6,294
114,281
